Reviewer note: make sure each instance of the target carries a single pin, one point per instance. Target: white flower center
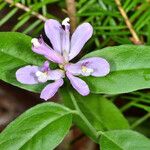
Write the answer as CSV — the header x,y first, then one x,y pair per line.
x,y
65,22
42,76
87,71
35,42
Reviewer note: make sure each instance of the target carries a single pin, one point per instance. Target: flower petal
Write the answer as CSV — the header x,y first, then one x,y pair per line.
x,y
78,84
26,75
81,35
99,66
56,74
66,38
40,47
74,69
53,30
66,44
50,90
45,67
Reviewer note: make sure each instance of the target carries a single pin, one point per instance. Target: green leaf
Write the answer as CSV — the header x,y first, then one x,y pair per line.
x,y
76,118
123,140
15,52
100,112
42,127
130,69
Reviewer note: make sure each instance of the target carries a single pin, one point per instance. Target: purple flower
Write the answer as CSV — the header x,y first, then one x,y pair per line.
x,y
64,48
35,75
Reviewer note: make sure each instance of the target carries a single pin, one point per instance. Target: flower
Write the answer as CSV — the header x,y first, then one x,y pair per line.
x,y
63,49
35,75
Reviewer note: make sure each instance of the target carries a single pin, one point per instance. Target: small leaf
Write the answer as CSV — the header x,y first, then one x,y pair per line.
x,y
130,69
42,127
123,140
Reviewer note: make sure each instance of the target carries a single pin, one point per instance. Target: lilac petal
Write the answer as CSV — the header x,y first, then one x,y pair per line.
x,y
40,47
99,66
78,84
46,64
52,74
74,69
50,90
53,31
45,67
26,75
66,41
81,35
56,74
66,38
66,44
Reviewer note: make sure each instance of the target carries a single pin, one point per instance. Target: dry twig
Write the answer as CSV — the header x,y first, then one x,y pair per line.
x,y
135,39
71,10
27,9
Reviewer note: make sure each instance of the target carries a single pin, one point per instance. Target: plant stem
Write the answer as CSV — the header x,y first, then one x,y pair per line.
x,y
139,121
128,105
71,11
135,38
91,128
27,9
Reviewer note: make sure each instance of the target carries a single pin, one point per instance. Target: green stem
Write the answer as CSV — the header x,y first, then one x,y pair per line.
x,y
91,128
141,120
127,106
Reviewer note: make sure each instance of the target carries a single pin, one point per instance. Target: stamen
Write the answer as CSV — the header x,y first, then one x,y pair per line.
x,y
84,69
66,21
41,76
35,42
61,66
87,71
38,73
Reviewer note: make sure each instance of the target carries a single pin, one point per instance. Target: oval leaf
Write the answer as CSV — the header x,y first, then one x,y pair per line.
x,y
42,127
102,113
130,69
123,140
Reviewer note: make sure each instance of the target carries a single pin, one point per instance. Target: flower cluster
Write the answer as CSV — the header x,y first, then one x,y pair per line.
x,y
63,49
